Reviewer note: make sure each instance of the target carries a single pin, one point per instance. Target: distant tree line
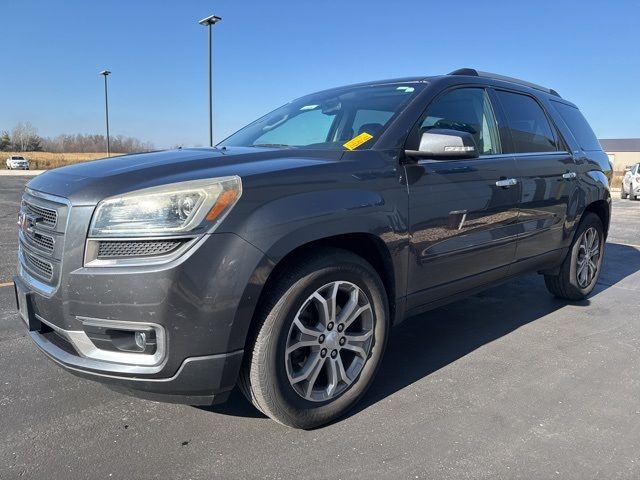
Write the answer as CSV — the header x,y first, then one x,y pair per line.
x,y
24,138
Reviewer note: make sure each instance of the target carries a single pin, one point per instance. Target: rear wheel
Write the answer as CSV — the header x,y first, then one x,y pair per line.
x,y
320,340
623,194
580,269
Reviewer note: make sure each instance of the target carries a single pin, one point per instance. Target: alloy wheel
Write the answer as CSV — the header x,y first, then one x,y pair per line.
x,y
329,341
588,257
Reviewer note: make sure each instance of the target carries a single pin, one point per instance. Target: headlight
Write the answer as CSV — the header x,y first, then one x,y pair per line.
x,y
166,210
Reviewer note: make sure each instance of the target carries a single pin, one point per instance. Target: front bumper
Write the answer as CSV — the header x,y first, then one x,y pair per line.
x,y
202,302
199,380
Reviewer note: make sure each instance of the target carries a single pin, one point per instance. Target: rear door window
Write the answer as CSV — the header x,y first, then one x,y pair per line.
x,y
578,125
527,122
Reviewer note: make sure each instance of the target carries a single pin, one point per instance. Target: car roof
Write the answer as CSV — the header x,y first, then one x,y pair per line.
x,y
468,74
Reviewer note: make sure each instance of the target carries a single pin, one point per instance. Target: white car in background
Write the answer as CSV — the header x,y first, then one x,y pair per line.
x,y
631,183
17,162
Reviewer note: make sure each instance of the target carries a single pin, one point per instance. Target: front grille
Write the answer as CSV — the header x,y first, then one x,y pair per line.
x,y
136,248
40,267
41,235
43,241
49,217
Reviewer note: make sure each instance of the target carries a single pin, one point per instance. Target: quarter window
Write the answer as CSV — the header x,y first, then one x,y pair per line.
x,y
527,122
578,125
467,110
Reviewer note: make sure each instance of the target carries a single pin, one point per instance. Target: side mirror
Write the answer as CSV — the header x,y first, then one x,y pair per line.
x,y
445,144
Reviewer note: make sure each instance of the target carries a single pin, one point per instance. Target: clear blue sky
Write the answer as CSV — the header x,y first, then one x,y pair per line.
x,y
268,52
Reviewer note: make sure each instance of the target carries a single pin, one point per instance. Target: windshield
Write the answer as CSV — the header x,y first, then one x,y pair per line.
x,y
17,158
348,118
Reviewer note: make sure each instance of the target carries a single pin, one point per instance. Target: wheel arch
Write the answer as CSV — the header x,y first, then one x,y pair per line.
x,y
602,208
366,245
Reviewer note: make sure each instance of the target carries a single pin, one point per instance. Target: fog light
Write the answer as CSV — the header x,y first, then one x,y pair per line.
x,y
141,340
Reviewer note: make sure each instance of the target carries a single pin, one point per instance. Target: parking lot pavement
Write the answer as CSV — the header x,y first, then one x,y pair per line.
x,y
510,383
20,173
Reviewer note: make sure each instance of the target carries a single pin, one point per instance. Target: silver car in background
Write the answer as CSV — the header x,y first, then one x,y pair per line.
x,y
631,183
17,162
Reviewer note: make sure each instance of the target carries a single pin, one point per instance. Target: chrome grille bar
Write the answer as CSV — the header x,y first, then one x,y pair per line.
x,y
49,217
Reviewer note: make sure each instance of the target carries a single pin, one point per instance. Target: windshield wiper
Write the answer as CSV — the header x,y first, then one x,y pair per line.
x,y
272,145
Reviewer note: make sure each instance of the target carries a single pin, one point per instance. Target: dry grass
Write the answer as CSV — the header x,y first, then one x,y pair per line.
x,y
616,181
47,160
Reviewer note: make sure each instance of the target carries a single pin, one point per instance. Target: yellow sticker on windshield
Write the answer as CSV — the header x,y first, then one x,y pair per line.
x,y
355,142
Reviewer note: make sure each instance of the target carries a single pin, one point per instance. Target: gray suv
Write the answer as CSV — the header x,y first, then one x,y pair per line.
x,y
279,260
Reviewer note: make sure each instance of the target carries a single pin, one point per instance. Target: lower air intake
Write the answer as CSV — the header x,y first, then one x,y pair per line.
x,y
137,248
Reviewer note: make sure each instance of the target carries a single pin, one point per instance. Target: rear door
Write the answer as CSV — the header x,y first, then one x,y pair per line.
x,y
462,223
547,173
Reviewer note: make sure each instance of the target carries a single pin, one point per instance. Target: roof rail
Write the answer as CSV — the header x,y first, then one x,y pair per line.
x,y
472,72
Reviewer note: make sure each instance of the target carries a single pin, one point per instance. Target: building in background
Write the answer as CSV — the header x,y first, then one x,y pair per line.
x,y
623,152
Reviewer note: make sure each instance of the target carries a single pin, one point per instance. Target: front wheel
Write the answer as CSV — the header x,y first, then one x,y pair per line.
x,y
581,267
320,338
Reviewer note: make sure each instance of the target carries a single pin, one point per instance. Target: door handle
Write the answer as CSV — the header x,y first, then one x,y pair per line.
x,y
569,175
506,182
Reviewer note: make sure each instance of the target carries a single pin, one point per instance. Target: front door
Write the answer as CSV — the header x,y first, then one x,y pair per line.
x,y
462,213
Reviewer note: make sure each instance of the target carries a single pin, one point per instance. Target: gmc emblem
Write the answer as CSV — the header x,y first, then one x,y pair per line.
x,y
25,223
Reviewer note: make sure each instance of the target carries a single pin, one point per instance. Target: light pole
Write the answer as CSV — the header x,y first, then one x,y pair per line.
x,y
106,73
210,22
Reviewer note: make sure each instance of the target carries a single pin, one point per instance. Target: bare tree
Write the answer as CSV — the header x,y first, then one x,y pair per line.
x,y
24,135
84,143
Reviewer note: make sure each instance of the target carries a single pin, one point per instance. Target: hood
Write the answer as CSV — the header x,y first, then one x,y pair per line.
x,y
89,182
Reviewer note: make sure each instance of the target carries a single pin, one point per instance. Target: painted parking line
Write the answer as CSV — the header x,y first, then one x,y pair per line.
x,y
8,284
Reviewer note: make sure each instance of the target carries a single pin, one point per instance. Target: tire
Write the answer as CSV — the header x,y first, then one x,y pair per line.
x,y
623,194
568,283
272,360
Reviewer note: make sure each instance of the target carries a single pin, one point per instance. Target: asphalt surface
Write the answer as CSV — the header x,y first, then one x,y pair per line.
x,y
511,383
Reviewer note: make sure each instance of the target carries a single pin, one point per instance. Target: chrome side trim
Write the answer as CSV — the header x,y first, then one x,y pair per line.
x,y
498,156
87,349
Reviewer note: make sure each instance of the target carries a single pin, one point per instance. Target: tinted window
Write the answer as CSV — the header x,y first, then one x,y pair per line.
x,y
578,126
466,110
370,121
530,129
